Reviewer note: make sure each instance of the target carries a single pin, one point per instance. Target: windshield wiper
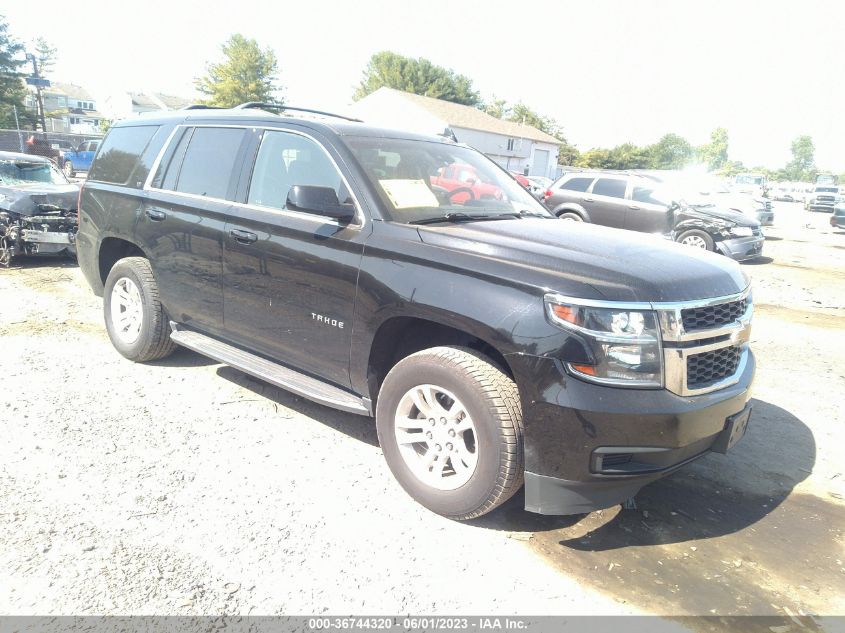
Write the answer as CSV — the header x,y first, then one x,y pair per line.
x,y
525,213
464,217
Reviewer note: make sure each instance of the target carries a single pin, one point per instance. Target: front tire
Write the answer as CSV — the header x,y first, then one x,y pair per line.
x,y
697,239
67,168
135,319
450,426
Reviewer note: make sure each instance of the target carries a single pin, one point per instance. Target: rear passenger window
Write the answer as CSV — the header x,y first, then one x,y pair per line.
x,y
610,187
120,154
209,160
577,184
285,160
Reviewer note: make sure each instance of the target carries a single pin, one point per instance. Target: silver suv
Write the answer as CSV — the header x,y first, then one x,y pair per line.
x,y
640,203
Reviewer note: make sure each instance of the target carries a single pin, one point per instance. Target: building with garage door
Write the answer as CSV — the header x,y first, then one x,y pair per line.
x,y
515,147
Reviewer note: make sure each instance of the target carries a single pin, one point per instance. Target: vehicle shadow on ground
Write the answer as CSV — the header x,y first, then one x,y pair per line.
x,y
726,535
716,496
757,261
357,427
44,261
183,357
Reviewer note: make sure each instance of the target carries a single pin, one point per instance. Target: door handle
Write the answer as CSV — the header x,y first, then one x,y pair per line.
x,y
634,207
155,215
585,199
243,237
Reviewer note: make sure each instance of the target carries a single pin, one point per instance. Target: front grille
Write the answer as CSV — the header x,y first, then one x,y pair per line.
x,y
825,199
709,367
709,317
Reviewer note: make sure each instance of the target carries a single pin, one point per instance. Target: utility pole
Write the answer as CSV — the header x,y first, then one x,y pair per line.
x,y
18,127
39,102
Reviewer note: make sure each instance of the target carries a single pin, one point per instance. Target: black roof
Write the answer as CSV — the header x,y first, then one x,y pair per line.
x,y
325,124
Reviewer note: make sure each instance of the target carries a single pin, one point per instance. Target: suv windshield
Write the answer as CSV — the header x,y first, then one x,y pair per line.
x,y
424,180
21,171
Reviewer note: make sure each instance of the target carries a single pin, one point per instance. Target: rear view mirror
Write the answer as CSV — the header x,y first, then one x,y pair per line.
x,y
319,201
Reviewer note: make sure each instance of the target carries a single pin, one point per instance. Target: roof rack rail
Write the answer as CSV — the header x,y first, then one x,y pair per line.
x,y
279,106
201,106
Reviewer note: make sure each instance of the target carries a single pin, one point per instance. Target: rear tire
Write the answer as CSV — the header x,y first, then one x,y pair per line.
x,y
135,319
572,217
67,168
470,459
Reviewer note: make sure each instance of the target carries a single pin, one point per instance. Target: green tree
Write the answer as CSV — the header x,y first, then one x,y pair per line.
x,y
12,91
715,153
45,55
802,167
670,152
418,76
596,158
246,73
732,168
567,154
496,108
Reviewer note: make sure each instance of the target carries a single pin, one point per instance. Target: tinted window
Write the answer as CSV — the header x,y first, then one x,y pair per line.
x,y
577,184
285,160
168,169
209,159
610,187
121,153
649,196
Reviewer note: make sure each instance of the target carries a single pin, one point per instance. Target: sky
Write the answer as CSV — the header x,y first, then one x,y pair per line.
x,y
609,71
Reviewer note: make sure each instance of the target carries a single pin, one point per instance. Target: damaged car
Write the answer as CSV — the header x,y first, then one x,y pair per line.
x,y
37,208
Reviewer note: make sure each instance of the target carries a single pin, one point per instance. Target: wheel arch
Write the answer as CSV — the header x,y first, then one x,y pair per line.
x,y
400,336
113,249
572,208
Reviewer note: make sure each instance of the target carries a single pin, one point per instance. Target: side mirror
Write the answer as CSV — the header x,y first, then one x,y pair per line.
x,y
319,201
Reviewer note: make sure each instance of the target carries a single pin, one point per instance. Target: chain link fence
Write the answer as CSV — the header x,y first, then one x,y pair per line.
x,y
16,141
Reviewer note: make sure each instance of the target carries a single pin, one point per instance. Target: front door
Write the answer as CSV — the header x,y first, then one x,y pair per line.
x,y
289,277
648,211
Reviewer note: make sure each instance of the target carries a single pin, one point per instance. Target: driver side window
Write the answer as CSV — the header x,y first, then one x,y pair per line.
x,y
286,159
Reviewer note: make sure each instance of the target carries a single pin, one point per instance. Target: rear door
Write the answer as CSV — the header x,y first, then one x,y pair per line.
x,y
605,202
289,277
182,221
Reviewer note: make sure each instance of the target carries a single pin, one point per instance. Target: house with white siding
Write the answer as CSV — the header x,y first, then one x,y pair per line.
x,y
514,146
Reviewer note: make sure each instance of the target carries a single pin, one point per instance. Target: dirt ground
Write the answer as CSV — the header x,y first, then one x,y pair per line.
x,y
184,486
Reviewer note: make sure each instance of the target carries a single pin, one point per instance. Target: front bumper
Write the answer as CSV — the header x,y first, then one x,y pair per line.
x,y
589,447
824,205
741,248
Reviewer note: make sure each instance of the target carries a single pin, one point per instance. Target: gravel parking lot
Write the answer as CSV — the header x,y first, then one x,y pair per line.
x,y
184,486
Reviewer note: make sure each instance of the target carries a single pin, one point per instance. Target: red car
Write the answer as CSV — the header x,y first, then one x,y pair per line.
x,y
522,180
465,183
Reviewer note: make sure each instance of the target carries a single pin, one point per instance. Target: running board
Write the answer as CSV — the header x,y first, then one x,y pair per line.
x,y
271,372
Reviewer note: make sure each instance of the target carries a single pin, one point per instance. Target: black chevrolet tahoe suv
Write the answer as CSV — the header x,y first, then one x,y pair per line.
x,y
493,343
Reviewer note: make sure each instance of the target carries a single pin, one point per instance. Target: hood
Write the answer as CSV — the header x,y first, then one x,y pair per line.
x,y
589,261
38,197
720,213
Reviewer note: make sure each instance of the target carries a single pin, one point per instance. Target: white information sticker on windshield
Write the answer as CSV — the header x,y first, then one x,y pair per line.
x,y
406,194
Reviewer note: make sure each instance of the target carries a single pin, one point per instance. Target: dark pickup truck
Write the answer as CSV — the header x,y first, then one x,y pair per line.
x,y
493,343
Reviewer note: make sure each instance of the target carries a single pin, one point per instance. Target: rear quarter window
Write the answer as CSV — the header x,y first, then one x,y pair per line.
x,y
576,184
120,154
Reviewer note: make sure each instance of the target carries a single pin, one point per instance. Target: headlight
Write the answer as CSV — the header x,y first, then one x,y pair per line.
x,y
742,231
622,345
